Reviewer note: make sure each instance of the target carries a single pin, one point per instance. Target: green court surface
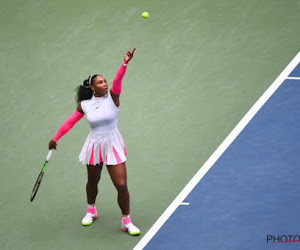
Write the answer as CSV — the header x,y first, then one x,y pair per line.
x,y
199,67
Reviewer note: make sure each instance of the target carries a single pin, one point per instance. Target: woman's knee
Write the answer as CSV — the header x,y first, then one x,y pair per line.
x,y
121,187
93,180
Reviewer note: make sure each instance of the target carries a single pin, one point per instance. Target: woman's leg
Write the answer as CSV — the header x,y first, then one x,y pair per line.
x,y
119,178
94,174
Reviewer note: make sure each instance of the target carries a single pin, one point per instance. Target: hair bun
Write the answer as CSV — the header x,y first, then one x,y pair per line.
x,y
86,83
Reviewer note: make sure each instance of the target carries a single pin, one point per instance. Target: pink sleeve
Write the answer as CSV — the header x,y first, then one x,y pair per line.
x,y
67,125
117,82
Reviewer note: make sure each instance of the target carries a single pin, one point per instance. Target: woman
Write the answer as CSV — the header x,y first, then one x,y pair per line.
x,y
104,144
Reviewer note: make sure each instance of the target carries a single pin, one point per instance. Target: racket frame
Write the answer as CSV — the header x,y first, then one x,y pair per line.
x,y
40,177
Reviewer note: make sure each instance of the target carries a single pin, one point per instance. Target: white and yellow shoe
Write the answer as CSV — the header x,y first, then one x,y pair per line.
x,y
127,226
90,216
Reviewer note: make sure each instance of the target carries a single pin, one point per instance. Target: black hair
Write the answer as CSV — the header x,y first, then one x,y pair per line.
x,y
84,92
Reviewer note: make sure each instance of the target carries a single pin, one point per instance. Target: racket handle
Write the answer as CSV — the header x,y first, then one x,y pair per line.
x,y
49,154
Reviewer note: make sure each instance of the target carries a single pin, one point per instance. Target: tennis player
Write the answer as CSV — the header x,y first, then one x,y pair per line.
x,y
104,144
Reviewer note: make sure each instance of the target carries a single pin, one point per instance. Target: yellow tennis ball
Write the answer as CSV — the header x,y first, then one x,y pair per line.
x,y
145,15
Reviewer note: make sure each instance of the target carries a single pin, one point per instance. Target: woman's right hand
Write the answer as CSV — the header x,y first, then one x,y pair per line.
x,y
52,144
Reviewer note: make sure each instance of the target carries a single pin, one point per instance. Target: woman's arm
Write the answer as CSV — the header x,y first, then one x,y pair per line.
x,y
66,126
117,82
116,88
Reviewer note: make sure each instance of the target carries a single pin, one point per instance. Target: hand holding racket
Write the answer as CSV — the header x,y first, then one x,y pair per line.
x,y
40,177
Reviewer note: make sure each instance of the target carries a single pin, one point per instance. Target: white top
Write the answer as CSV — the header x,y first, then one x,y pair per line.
x,y
101,113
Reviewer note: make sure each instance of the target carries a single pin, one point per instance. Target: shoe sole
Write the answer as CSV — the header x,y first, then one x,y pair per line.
x,y
133,234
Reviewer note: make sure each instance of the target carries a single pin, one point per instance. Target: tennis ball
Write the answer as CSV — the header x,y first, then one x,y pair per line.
x,y
145,15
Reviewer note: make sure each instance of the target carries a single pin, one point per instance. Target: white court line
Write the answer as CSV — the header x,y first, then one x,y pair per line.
x,y
216,155
184,203
293,78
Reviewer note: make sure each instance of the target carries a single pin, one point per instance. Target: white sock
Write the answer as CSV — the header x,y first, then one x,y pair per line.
x,y
91,206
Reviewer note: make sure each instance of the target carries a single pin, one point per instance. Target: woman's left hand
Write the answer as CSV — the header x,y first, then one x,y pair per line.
x,y
129,54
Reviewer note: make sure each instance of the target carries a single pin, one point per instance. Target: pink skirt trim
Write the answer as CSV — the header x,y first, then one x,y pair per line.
x,y
92,157
117,157
109,146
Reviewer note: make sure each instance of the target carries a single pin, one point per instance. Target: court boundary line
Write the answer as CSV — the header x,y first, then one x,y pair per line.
x,y
217,153
293,78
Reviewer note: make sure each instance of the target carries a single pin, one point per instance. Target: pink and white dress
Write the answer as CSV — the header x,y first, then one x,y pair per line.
x,y
104,142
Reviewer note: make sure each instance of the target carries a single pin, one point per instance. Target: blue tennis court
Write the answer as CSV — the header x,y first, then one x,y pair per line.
x,y
248,196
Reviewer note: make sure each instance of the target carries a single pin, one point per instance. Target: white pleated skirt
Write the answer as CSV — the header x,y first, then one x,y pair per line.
x,y
107,147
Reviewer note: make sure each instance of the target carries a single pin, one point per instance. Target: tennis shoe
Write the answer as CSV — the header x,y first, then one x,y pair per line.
x,y
130,228
89,218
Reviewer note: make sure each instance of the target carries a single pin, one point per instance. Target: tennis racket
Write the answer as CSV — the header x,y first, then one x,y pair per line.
x,y
40,177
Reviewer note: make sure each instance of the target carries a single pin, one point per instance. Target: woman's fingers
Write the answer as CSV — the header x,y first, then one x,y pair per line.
x,y
133,50
52,144
129,54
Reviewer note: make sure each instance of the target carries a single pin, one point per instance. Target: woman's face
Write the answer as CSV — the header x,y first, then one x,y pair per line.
x,y
99,86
